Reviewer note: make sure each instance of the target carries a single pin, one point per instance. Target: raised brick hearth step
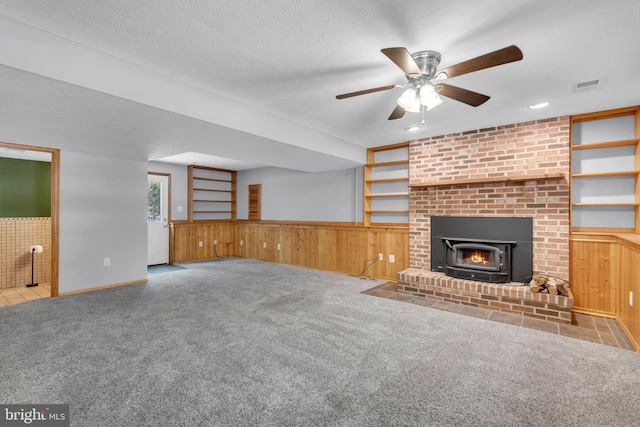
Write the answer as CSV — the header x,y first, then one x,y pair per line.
x,y
511,297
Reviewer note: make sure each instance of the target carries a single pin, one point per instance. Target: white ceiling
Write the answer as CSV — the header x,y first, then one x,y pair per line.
x,y
252,83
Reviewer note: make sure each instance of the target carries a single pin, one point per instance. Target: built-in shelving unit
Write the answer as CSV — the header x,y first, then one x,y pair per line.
x,y
386,179
605,171
212,194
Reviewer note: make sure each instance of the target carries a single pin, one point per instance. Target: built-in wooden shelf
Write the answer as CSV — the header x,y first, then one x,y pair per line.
x,y
606,204
388,211
404,178
387,195
386,191
607,144
199,178
394,163
217,191
604,174
491,179
598,164
206,187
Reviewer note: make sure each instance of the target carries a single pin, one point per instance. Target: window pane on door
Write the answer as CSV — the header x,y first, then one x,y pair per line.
x,y
154,202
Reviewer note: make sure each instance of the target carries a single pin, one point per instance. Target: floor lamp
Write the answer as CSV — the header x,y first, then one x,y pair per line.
x,y
35,249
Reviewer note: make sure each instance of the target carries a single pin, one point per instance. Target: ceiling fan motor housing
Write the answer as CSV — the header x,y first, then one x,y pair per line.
x,y
427,61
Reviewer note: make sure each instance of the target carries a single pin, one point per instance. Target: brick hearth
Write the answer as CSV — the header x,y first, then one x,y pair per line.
x,y
511,298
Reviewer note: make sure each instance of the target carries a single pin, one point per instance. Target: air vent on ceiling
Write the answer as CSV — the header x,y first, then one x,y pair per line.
x,y
587,85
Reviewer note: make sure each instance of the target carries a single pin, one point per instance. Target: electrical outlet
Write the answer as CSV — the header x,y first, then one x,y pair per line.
x,y
392,259
264,245
380,257
241,242
107,262
278,246
215,243
631,298
200,243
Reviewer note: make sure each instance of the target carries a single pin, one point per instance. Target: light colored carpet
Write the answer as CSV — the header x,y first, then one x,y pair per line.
x,y
243,342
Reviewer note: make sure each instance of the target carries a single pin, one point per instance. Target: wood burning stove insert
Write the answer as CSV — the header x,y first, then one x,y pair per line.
x,y
483,260
486,249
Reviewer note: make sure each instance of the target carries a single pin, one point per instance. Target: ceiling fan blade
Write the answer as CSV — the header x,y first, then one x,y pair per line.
x,y
403,59
463,95
398,113
492,59
364,92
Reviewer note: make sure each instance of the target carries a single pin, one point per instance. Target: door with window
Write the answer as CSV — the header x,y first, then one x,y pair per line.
x,y
158,219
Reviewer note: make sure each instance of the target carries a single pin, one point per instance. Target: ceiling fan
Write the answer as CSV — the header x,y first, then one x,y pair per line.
x,y
424,85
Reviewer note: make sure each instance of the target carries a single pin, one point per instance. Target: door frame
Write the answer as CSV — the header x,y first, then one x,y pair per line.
x,y
55,206
168,175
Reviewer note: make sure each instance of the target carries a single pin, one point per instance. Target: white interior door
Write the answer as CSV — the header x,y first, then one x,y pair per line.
x,y
157,220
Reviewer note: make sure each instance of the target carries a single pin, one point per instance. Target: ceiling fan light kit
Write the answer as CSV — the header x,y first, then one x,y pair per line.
x,y
412,100
421,71
415,107
429,97
407,99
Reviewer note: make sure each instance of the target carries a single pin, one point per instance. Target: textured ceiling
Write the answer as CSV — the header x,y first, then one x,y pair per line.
x,y
255,81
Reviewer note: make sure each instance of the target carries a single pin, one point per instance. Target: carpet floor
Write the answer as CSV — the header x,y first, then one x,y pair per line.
x,y
237,342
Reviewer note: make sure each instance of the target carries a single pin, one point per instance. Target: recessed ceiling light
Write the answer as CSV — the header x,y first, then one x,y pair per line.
x,y
413,128
538,105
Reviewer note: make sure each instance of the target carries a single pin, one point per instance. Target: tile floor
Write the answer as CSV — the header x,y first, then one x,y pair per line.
x,y
591,328
22,293
43,290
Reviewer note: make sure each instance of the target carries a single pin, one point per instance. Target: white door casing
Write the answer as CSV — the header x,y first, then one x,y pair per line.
x,y
158,220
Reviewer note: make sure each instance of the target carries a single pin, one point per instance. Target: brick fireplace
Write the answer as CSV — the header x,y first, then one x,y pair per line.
x,y
518,170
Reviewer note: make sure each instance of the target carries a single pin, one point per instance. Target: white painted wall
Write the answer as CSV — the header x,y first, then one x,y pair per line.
x,y
103,210
102,215
289,195
179,186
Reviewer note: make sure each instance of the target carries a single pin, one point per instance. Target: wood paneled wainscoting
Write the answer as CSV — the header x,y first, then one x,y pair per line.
x,y
341,247
194,241
605,278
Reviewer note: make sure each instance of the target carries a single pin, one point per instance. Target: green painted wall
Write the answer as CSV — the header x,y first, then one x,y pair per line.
x,y
25,188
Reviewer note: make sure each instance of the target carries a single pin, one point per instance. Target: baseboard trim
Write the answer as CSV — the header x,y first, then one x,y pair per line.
x,y
626,331
97,288
594,312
